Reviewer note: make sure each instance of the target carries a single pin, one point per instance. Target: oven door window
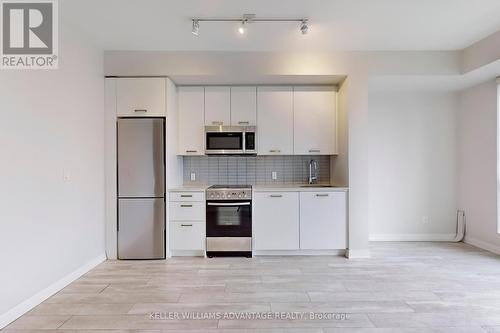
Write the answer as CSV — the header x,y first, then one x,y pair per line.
x,y
225,141
229,219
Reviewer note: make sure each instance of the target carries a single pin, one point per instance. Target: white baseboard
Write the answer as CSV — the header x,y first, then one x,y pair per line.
x,y
298,252
20,309
186,253
358,253
412,237
482,245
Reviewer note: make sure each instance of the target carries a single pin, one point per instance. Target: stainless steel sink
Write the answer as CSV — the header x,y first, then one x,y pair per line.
x,y
316,185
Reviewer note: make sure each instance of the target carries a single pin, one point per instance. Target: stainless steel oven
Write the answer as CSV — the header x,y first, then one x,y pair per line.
x,y
230,140
229,221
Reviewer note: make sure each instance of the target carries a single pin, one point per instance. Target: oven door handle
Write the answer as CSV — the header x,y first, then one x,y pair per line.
x,y
233,204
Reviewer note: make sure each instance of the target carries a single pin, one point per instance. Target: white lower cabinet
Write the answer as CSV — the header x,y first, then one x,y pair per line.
x,y
187,235
322,220
186,222
308,221
276,220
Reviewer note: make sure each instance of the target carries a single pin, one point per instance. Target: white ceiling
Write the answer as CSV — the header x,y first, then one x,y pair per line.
x,y
334,24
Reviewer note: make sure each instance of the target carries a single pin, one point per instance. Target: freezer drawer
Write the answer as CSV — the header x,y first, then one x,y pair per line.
x,y
141,228
141,167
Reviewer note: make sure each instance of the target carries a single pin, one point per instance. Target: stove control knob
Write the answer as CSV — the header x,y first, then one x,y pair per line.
x,y
229,195
240,195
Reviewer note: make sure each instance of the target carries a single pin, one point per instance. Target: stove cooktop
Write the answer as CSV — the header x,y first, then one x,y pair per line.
x,y
215,187
229,192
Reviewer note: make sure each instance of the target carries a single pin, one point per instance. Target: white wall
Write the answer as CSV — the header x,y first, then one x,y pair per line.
x,y
477,160
412,165
340,163
50,121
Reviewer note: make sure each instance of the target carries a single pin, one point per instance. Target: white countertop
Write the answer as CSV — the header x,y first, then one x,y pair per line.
x,y
298,188
267,188
189,188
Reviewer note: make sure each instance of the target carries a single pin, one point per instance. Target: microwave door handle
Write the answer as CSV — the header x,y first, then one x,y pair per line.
x,y
228,204
243,147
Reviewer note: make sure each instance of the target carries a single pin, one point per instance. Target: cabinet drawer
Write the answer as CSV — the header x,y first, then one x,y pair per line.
x,y
187,235
187,196
187,211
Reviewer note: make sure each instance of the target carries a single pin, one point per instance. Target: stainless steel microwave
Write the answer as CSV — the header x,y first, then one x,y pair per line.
x,y
230,140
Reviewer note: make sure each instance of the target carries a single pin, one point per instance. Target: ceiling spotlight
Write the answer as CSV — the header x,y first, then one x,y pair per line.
x,y
304,27
242,27
196,28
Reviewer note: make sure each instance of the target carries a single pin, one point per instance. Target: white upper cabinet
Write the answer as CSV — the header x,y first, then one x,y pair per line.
x,y
217,106
191,104
140,97
243,106
275,120
323,220
314,120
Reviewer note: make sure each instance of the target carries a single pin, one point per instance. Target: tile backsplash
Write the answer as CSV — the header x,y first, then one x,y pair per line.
x,y
253,169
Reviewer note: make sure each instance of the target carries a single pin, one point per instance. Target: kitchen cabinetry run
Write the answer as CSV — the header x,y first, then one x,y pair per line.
x,y
139,97
243,106
275,120
290,120
191,104
276,220
314,123
187,222
217,106
297,221
322,220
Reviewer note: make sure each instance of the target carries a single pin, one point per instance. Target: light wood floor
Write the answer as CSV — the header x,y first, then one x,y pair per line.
x,y
405,287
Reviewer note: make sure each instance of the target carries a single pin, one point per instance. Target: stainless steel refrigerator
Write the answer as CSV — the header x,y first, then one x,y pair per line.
x,y
141,188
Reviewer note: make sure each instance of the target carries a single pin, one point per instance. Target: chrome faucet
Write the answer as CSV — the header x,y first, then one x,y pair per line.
x,y
313,172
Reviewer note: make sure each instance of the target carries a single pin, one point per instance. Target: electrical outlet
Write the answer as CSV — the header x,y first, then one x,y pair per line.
x,y
425,219
66,176
274,175
193,176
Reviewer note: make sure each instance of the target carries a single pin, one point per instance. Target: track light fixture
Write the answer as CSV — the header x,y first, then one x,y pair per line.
x,y
242,28
196,28
247,19
304,27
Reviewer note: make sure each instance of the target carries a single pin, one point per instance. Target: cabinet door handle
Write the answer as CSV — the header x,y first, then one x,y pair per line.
x,y
187,206
191,151
322,195
275,196
275,151
217,123
141,110
243,122
186,195
314,150
186,225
